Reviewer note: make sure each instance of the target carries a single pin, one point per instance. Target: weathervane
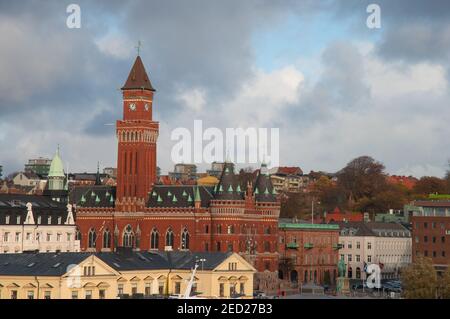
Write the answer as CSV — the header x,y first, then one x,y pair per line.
x,y
138,47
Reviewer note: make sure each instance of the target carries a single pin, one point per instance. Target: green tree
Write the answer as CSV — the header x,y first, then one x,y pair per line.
x,y
420,280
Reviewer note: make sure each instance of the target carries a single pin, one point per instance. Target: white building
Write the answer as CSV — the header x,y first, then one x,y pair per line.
x,y
385,244
36,223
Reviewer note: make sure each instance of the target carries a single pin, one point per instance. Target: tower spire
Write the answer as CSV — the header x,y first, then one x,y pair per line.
x,y
97,177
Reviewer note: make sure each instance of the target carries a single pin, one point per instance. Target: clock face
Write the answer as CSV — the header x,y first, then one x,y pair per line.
x,y
132,107
147,107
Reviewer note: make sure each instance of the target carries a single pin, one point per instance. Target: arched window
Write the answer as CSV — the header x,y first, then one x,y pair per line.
x,y
106,238
350,272
185,239
169,237
92,236
230,229
77,234
128,237
154,239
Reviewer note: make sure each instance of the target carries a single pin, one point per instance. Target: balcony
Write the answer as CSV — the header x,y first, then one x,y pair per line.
x,y
292,245
308,245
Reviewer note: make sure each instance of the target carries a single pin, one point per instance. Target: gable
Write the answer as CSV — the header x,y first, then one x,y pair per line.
x,y
241,264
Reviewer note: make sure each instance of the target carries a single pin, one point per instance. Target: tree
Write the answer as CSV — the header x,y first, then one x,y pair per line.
x,y
420,280
445,284
430,185
361,178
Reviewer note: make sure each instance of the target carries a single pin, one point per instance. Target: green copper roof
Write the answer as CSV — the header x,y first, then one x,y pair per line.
x,y
83,199
92,194
238,188
189,199
184,193
154,193
56,167
220,188
97,199
266,191
159,199
111,200
169,194
256,191
197,195
230,189
174,199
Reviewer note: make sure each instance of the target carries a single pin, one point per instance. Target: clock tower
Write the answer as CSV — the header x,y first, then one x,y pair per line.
x,y
137,134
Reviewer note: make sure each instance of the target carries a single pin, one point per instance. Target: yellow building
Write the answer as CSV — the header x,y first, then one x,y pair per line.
x,y
123,275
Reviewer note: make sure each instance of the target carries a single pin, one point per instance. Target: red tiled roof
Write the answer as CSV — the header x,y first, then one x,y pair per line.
x,y
290,170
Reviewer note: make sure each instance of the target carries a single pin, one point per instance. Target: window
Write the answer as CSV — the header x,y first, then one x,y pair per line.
x,y
369,258
218,248
102,294
69,236
222,290
358,245
417,239
120,289
232,266
267,246
425,239
433,225
128,237
133,288
230,247
358,258
154,239
177,287
49,237
47,294
5,236
425,225
49,220
58,237
148,289
434,254
39,220
369,245
30,294
349,246
443,253
28,236
206,229
185,239
442,239
434,239
106,239
169,237
358,273
74,294
17,237
230,229
18,220
232,289
349,258
59,220
92,237
88,294
7,219
242,288
161,288
219,229
13,294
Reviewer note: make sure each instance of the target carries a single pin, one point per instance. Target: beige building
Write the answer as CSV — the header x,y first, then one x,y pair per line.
x,y
123,275
385,244
36,223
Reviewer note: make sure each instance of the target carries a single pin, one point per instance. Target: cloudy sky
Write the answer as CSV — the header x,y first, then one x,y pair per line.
x,y
335,88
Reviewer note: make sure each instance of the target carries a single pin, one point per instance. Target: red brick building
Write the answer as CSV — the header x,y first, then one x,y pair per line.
x,y
144,215
308,252
338,216
431,232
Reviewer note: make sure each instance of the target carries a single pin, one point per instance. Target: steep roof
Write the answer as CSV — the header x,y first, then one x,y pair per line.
x,y
138,78
264,191
56,167
228,187
178,196
93,196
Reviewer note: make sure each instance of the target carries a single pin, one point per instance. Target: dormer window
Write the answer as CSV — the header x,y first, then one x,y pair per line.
x,y
18,220
39,220
59,220
7,219
49,220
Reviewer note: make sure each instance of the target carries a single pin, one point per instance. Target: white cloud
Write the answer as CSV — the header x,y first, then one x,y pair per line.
x,y
194,99
115,45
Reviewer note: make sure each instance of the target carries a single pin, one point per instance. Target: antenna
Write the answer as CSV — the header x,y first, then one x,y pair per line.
x,y
138,47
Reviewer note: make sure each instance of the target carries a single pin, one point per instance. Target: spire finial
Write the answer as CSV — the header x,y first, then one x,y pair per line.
x,y
57,149
138,47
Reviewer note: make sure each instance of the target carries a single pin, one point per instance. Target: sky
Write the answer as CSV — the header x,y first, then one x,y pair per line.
x,y
335,88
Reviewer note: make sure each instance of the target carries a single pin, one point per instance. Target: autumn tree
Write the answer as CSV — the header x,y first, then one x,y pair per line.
x,y
420,280
361,179
430,185
445,284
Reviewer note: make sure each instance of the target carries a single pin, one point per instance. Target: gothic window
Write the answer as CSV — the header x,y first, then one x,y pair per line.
x,y
154,239
128,237
92,236
185,239
107,239
169,237
78,234
219,229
